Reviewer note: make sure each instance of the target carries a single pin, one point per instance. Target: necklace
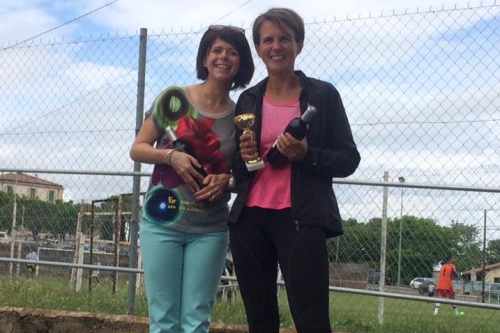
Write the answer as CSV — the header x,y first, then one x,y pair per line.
x,y
212,102
213,106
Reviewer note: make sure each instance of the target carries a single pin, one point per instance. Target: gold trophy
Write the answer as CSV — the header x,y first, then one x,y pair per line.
x,y
245,122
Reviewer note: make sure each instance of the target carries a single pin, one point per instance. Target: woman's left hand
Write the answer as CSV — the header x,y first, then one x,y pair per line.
x,y
215,185
295,150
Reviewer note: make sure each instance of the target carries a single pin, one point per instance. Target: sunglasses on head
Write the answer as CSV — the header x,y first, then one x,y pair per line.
x,y
221,27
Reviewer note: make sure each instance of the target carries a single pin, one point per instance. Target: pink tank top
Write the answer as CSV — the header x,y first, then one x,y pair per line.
x,y
270,187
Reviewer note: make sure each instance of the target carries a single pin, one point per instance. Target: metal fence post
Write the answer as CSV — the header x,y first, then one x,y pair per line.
x,y
134,221
383,250
401,180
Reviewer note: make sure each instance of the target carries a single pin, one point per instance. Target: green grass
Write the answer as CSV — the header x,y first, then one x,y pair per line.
x,y
349,313
54,293
358,313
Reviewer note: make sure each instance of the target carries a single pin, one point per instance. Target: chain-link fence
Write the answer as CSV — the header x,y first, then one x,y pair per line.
x,y
422,92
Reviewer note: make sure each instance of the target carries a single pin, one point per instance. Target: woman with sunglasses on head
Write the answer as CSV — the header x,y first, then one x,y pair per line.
x,y
188,134
283,214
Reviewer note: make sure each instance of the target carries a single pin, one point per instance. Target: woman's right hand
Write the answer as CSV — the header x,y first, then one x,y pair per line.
x,y
248,147
184,164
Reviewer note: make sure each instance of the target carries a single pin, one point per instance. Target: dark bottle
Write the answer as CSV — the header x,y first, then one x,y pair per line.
x,y
297,127
178,145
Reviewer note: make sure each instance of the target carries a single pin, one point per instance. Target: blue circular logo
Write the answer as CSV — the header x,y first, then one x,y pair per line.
x,y
162,205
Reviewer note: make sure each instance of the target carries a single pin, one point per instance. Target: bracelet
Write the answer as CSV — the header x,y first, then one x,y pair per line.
x,y
168,157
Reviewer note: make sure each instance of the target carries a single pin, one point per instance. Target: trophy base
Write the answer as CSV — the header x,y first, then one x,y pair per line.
x,y
255,165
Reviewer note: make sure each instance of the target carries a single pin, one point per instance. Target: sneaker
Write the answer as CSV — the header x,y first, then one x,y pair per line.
x,y
459,313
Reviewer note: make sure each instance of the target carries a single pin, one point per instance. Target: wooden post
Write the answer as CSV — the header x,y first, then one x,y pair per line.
x,y
19,253
79,271
139,285
13,238
75,272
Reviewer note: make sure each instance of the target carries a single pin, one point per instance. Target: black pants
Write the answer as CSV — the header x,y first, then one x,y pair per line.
x,y
260,240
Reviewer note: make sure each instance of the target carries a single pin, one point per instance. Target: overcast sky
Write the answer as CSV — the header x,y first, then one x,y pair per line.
x,y
23,19
424,106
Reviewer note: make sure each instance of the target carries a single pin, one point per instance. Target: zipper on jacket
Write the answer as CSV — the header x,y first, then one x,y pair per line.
x,y
303,102
297,225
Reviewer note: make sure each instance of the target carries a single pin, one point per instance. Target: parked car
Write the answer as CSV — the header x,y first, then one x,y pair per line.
x,y
415,283
427,288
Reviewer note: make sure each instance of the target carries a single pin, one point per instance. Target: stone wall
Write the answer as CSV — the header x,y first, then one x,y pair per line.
x,y
21,320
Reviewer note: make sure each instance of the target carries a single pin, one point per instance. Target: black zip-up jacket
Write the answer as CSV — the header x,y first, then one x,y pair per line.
x,y
331,153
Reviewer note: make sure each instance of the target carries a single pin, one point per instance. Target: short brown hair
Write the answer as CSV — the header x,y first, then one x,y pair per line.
x,y
282,17
239,42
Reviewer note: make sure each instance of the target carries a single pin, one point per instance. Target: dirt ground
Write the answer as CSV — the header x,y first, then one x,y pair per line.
x,y
24,320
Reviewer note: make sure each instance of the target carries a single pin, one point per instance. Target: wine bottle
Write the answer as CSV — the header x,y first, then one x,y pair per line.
x,y
297,127
178,145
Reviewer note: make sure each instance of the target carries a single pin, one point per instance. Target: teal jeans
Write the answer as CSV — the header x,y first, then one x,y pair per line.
x,y
181,273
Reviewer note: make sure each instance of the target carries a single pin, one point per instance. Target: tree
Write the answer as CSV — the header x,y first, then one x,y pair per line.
x,y
57,218
424,244
6,209
493,251
356,245
467,246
